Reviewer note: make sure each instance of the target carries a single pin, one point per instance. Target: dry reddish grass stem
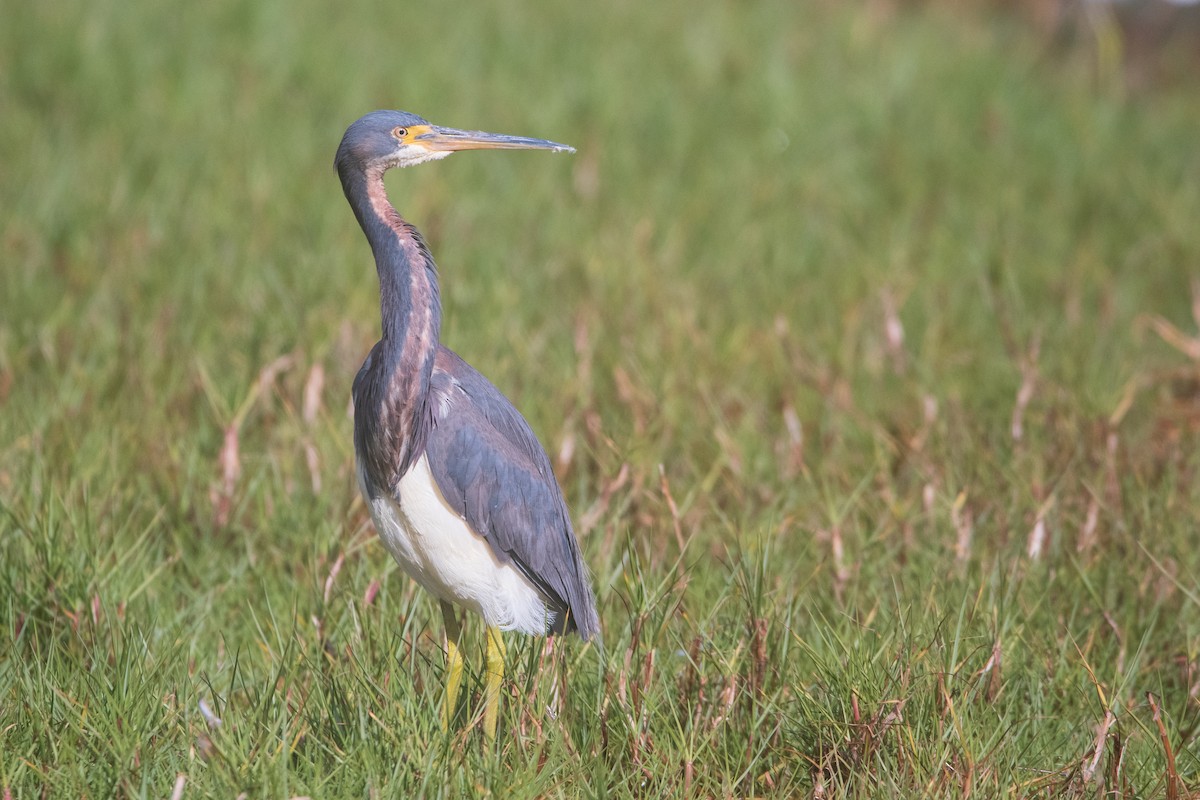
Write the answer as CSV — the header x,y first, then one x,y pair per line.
x,y
1173,782
674,509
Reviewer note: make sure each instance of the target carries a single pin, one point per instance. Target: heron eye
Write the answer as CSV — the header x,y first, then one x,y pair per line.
x,y
400,133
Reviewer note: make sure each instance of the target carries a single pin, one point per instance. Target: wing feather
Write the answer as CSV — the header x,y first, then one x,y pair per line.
x,y
491,468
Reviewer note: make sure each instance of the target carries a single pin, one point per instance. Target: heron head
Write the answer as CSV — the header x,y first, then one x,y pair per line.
x,y
386,139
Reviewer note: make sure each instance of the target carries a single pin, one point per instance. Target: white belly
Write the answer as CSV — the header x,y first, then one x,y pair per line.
x,y
438,550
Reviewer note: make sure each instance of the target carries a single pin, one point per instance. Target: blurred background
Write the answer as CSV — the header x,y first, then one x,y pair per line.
x,y
168,193
849,313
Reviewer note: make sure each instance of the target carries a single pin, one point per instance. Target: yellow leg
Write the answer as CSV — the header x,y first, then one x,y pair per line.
x,y
491,689
454,664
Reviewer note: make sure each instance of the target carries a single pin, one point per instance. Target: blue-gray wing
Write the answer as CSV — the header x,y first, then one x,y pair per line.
x,y
491,469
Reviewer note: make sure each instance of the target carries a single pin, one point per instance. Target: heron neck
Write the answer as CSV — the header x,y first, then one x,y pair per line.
x,y
410,305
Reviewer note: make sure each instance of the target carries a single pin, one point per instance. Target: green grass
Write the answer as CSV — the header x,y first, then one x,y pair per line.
x,y
693,313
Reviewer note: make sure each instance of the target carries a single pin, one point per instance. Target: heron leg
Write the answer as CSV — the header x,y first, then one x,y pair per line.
x,y
454,664
491,689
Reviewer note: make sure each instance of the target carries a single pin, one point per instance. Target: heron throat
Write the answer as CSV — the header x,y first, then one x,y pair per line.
x,y
391,395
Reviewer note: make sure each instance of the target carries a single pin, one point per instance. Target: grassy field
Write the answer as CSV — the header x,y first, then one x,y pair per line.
x,y
860,342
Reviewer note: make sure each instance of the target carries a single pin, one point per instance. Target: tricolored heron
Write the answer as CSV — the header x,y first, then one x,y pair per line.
x,y
460,491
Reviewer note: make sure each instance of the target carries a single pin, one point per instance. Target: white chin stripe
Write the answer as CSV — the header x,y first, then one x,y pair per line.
x,y
419,155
